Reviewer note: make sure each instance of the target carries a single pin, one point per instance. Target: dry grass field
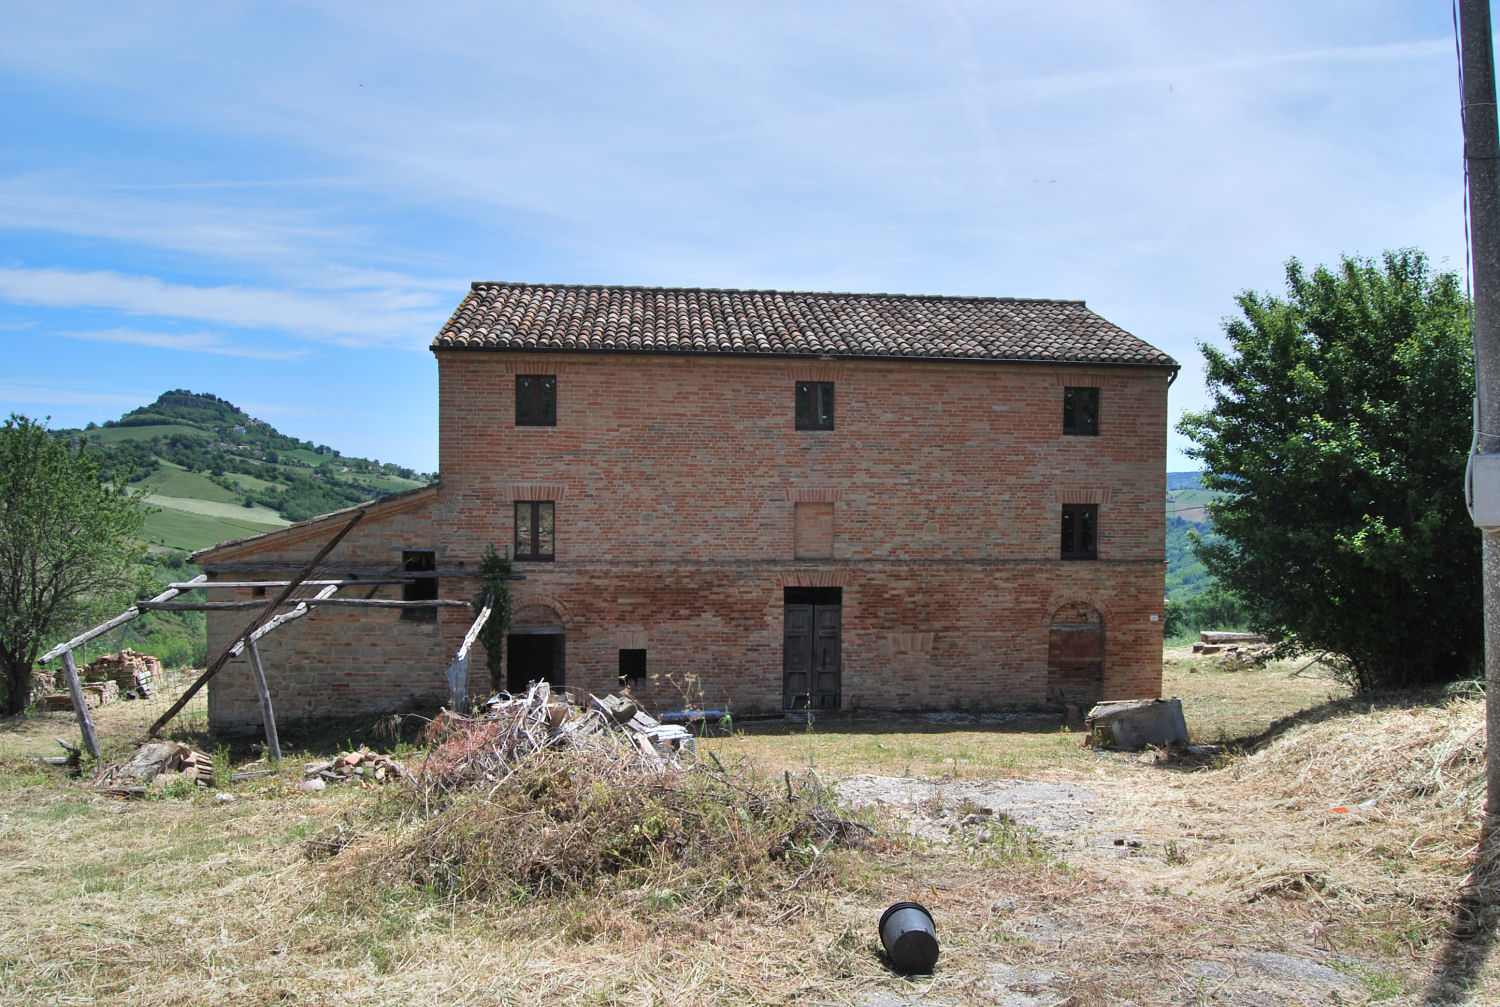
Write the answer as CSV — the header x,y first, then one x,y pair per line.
x,y
1316,859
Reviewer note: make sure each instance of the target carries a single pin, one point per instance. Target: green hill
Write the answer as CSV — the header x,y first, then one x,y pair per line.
x,y
212,472
218,473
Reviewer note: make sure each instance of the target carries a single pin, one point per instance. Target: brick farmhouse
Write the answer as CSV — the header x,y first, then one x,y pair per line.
x,y
843,501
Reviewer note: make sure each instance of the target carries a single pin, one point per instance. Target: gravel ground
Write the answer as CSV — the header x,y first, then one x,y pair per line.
x,y
933,809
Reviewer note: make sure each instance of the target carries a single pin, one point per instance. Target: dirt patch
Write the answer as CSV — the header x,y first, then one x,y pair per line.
x,y
936,809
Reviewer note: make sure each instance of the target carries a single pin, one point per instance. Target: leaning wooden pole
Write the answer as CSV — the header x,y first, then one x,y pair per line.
x,y
264,614
80,705
267,715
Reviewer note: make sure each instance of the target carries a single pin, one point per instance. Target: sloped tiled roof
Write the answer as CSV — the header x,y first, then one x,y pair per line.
x,y
525,316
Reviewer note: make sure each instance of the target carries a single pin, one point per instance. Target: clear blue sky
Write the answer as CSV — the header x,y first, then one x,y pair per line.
x,y
280,203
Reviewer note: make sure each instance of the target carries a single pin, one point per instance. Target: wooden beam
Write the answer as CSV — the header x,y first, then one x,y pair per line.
x,y
276,566
260,618
283,619
267,717
119,620
196,584
80,705
245,606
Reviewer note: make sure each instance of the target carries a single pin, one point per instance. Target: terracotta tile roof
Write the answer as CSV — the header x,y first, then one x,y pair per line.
x,y
524,316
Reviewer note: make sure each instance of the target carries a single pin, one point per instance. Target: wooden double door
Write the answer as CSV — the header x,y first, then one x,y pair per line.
x,y
812,651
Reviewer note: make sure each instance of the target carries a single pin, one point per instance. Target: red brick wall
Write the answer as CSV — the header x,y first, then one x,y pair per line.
x,y
336,661
677,481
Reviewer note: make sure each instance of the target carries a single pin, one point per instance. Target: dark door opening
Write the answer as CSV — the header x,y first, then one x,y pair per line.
x,y
1075,658
812,647
533,657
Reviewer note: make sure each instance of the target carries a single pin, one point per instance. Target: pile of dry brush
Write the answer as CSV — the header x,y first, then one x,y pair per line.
x,y
540,799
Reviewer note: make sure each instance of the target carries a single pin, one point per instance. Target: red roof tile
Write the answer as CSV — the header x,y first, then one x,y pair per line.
x,y
524,316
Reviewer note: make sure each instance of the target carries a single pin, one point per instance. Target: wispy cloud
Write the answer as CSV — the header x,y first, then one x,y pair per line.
x,y
187,342
50,394
379,316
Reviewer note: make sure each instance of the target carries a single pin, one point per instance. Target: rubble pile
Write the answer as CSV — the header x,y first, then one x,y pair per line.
x,y
370,769
155,765
468,751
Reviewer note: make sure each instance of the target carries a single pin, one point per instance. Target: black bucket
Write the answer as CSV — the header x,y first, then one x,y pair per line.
x,y
909,937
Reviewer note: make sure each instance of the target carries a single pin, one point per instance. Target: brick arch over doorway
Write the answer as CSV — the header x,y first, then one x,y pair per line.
x,y
1075,656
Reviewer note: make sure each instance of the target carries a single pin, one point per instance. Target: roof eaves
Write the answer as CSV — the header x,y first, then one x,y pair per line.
x,y
298,527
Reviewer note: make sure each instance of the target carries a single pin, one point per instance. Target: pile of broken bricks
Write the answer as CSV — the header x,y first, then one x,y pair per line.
x,y
370,769
156,765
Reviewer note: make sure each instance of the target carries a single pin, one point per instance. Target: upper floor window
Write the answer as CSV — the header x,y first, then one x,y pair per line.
x,y
1081,411
1080,531
536,400
536,536
419,588
815,405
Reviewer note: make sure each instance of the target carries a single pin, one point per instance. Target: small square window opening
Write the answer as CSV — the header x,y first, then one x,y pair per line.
x,y
815,405
632,666
535,530
1080,531
419,588
536,400
1081,411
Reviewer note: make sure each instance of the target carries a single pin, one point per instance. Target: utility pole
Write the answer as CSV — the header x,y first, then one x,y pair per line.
x,y
1482,161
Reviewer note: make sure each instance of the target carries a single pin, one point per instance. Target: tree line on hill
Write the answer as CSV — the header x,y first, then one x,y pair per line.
x,y
299,489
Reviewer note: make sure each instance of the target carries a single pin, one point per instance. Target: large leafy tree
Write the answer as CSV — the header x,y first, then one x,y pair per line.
x,y
67,547
1338,431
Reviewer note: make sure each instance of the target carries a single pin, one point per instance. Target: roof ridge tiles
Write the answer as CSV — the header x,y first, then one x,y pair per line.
x,y
867,295
511,316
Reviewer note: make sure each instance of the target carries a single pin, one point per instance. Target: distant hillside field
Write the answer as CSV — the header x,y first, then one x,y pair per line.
x,y
218,473
1186,499
210,472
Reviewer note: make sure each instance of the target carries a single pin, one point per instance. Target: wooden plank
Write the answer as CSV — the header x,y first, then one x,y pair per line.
x,y
267,717
274,566
260,618
284,618
119,620
474,630
245,606
80,705
194,584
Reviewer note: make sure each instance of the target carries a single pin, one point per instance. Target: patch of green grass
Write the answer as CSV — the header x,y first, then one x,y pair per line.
x,y
231,510
181,530
113,435
175,481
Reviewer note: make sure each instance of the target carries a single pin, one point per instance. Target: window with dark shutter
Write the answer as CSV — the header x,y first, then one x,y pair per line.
x,y
1081,411
536,400
1080,531
815,405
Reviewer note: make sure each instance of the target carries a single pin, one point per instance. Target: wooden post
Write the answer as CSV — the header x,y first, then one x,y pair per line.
x,y
80,705
265,613
458,671
273,744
